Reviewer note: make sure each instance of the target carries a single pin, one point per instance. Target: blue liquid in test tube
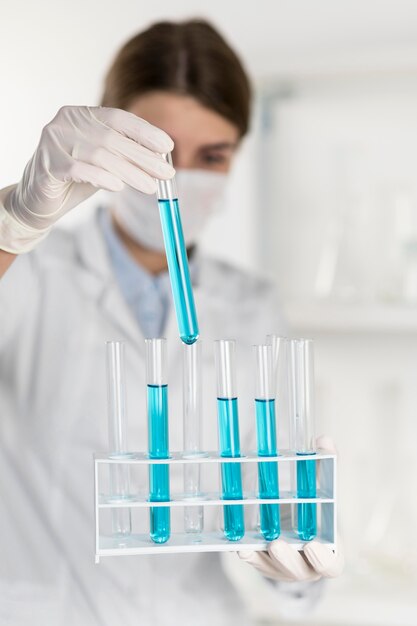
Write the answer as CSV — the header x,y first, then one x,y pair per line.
x,y
268,472
228,423
157,400
301,389
177,259
265,389
158,449
306,488
234,526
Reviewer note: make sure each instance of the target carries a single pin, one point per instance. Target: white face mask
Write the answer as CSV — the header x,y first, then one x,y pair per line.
x,y
200,195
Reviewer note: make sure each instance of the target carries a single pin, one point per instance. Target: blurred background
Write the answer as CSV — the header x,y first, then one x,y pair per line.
x,y
323,199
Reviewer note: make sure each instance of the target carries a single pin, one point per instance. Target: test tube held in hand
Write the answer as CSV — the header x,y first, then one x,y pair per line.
x,y
192,409
177,259
228,423
117,428
301,381
265,385
158,436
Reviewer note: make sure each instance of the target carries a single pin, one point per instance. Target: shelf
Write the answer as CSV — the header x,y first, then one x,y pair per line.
x,y
208,457
338,317
210,499
188,542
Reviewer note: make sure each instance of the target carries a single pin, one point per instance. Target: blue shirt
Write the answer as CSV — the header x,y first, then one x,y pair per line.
x,y
148,296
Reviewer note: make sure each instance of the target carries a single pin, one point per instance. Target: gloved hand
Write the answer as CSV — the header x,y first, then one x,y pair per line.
x,y
81,150
283,563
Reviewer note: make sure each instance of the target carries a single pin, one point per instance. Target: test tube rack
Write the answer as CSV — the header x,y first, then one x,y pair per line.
x,y
140,544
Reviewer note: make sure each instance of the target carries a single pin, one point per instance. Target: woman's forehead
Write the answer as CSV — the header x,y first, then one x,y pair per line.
x,y
185,119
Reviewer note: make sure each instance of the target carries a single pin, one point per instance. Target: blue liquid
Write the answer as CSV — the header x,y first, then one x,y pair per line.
x,y
179,272
234,525
268,472
158,449
306,488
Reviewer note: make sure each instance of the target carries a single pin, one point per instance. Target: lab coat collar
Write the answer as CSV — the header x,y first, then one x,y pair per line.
x,y
100,280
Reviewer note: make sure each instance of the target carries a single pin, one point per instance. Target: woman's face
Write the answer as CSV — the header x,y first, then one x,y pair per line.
x,y
203,139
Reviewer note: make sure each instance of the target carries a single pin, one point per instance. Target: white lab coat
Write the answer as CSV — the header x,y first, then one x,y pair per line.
x,y
59,304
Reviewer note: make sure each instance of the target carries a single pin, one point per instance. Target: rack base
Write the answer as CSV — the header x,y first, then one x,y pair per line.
x,y
134,545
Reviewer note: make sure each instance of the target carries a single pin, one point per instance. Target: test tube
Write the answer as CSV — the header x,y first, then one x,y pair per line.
x,y
192,408
157,401
177,259
117,427
228,422
280,359
303,437
265,384
277,344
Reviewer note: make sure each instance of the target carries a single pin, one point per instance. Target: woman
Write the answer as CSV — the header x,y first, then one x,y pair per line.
x,y
107,279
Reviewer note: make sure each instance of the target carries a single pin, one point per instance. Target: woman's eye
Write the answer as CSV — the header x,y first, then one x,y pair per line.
x,y
214,158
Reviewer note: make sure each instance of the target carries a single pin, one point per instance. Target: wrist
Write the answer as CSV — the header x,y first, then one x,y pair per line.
x,y
16,237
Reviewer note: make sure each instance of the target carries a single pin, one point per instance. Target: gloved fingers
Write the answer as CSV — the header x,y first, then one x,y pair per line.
x,y
326,443
123,157
290,562
119,167
263,563
323,560
85,173
134,127
147,160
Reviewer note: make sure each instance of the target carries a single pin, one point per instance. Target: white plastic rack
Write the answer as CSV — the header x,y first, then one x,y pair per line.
x,y
139,544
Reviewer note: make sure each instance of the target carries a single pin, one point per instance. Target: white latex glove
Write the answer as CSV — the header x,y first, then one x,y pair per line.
x,y
81,150
283,563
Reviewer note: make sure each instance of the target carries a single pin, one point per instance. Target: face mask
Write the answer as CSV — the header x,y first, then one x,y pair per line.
x,y
200,196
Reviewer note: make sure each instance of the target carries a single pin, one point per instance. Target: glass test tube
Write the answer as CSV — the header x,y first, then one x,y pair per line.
x,y
157,400
280,360
177,259
117,427
303,437
228,420
265,384
192,407
277,344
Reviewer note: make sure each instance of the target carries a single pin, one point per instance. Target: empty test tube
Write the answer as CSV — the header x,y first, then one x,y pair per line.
x,y
192,409
281,358
228,423
301,380
177,259
117,427
157,404
277,344
265,384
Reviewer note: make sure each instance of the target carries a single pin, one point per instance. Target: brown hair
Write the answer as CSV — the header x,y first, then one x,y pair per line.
x,y
187,58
